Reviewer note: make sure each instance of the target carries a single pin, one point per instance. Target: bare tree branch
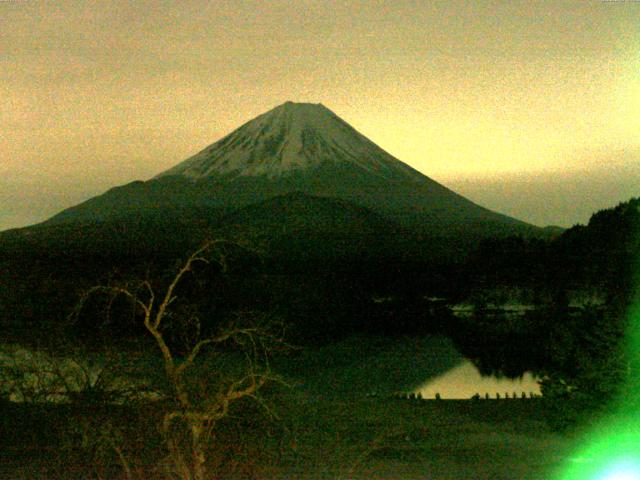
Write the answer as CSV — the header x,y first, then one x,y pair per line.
x,y
195,415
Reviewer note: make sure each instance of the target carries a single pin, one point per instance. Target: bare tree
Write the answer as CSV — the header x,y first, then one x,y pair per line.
x,y
193,412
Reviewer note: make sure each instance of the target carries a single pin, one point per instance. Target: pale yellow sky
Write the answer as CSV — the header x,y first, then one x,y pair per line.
x,y
529,107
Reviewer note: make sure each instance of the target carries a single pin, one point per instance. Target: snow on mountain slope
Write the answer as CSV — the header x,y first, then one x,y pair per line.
x,y
292,138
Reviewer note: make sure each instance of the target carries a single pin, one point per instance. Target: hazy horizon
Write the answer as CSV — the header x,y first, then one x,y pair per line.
x,y
529,109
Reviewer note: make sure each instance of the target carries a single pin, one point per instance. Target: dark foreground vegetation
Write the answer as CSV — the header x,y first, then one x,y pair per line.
x,y
584,284
222,374
314,439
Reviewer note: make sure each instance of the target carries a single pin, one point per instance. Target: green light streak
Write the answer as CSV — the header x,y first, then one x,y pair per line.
x,y
612,448
611,454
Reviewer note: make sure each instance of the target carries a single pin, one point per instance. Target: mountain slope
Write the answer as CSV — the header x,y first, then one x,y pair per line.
x,y
297,231
298,148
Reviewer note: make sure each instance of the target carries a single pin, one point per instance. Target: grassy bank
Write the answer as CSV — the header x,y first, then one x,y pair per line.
x,y
312,438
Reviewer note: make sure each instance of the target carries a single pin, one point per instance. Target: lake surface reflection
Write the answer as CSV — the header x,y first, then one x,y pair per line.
x,y
464,381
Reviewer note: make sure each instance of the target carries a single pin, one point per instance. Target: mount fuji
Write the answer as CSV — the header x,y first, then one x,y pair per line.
x,y
295,148
328,216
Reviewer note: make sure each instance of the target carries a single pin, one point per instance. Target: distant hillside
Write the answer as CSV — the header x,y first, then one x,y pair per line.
x,y
297,232
599,260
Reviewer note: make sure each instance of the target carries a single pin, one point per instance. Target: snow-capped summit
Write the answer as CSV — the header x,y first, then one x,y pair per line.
x,y
292,138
